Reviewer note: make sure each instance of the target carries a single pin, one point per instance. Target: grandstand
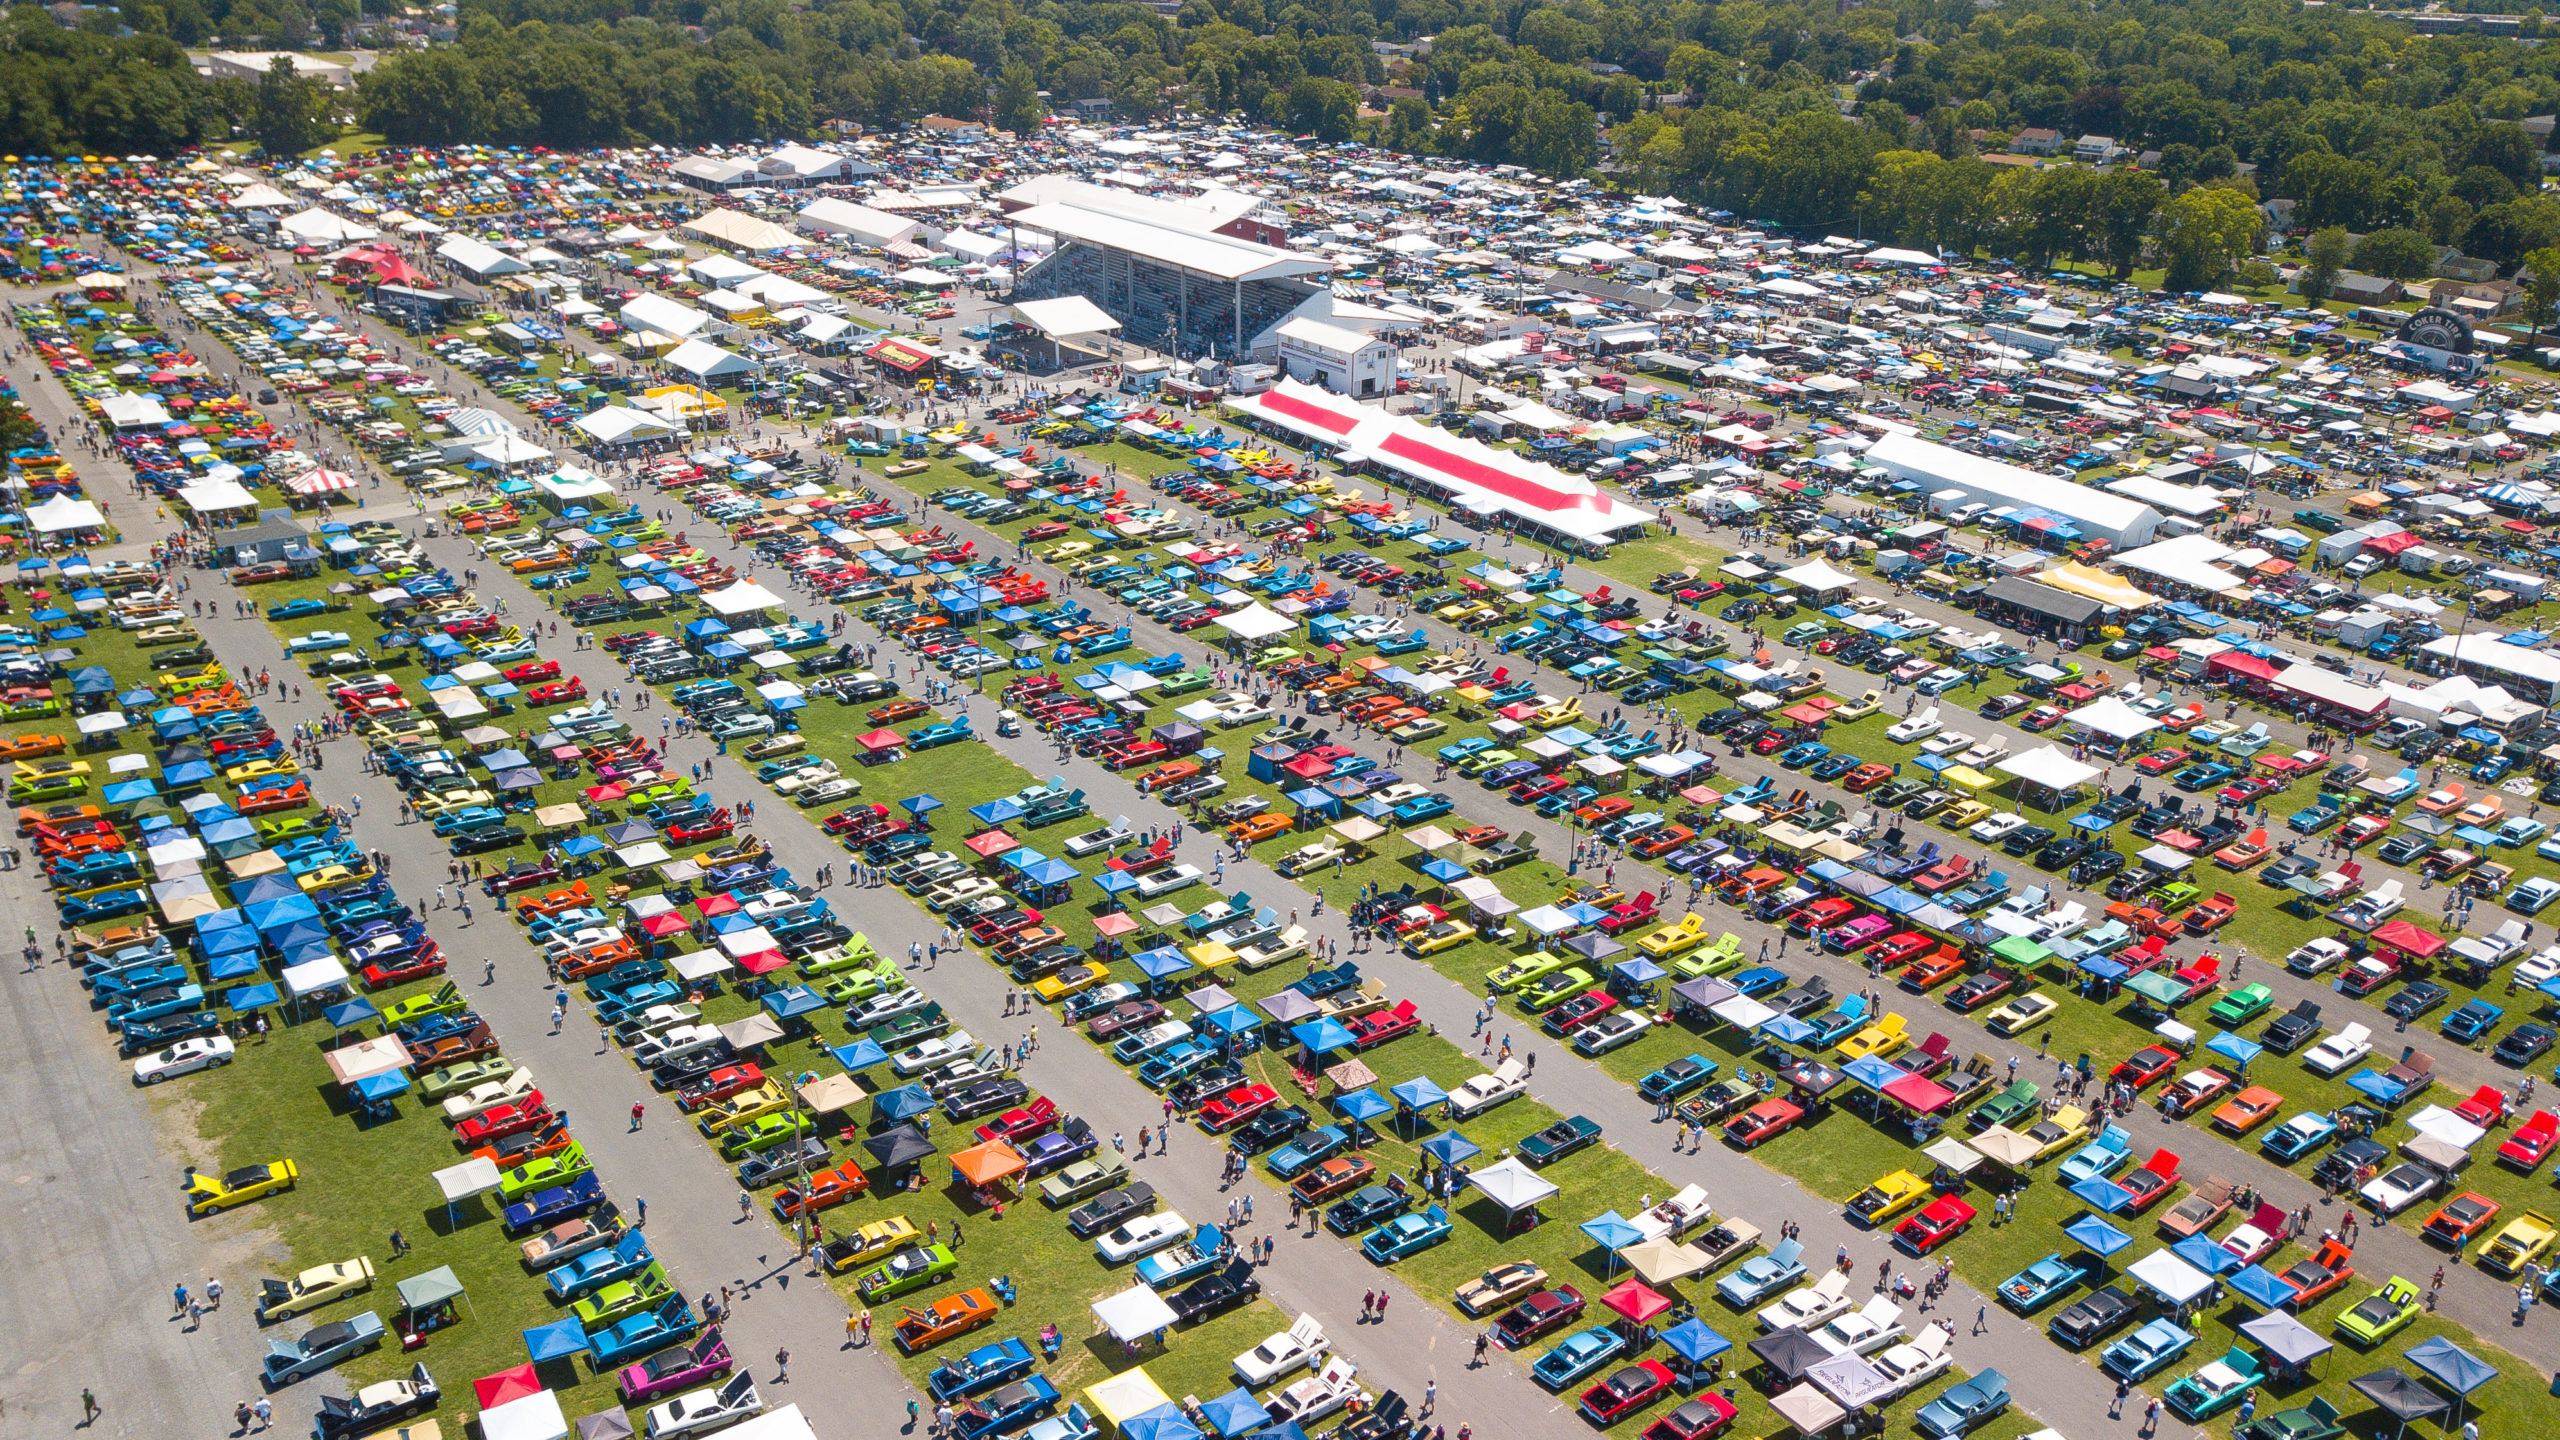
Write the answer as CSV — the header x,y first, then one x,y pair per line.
x,y
1164,270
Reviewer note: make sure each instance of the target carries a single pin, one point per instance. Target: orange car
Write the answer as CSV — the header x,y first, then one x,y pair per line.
x,y
1338,1176
557,901
2210,914
944,1319
1255,829
31,747
1172,772
826,1188
1933,970
2247,1110
34,815
2460,1220
1866,777
897,710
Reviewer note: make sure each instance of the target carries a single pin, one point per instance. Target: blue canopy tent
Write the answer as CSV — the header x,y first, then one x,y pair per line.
x,y
555,1341
1320,1036
2262,1287
2236,1047
2096,1235
996,812
1234,1413
1697,1346
920,806
233,965
2105,1195
1787,1030
246,998
1361,1105
347,1014
2201,1252
1447,872
1610,1231
1414,1094
1164,1422
860,1055
902,1102
1164,962
1451,1148
794,1001
2451,1366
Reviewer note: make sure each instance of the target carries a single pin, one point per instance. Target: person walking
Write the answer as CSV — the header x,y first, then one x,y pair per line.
x,y
265,1410
88,1406
639,1109
181,1294
782,1365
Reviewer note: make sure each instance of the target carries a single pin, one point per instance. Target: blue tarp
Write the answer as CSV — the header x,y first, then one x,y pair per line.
x,y
1611,1232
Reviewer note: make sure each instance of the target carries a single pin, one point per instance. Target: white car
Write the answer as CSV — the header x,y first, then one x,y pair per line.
x,y
2400,1187
801,779
952,894
1243,712
1865,1331
1314,1397
2366,911
2531,896
1165,882
706,1409
2313,956
1998,828
197,1052
1144,1235
1813,1305
1486,1091
2339,1051
935,1053
1097,842
838,787
1946,742
1285,1351
1915,1363
1611,1031
2508,940
1918,727
1984,753
2543,965
675,1044
480,1099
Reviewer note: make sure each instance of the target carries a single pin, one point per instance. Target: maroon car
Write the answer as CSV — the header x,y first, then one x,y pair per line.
x,y
1543,1312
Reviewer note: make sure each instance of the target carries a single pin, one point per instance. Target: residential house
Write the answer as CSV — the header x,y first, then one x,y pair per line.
x,y
2036,140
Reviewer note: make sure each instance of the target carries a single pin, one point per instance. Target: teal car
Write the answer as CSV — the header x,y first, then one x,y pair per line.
x,y
912,1268
1577,1355
1406,1235
2216,1387
2046,1281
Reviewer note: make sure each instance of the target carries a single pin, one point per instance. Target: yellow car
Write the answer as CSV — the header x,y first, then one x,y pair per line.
x,y
438,804
49,769
2065,1128
1881,1040
257,769
1070,980
872,1242
387,732
1678,939
329,875
1881,1203
1444,935
1962,815
766,1099
2525,1241
2020,1013
1067,550
1548,717
209,1193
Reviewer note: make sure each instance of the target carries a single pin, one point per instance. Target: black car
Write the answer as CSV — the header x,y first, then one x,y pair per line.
x,y
1369,1205
2287,1032
2001,707
985,1097
1109,1208
2062,854
771,1166
1813,994
2415,999
2020,842
1272,1127
376,1406
485,838
1210,1294
1723,720
2351,1164
2523,1044
2093,1317
671,1073
2097,867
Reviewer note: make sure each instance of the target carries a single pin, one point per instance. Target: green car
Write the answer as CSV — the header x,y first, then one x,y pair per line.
x,y
1524,970
1088,1176
1484,760
545,1171
445,999
2241,1006
35,790
2006,1106
2382,1314
764,1132
1184,683
2315,1421
909,1269
454,1079
1555,989
623,1298
2175,895
847,957
857,987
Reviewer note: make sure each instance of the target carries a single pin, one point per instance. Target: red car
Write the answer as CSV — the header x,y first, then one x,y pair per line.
x,y
2146,1065
533,671
1642,910
2150,1184
2256,787
1235,1107
509,1119
2320,1276
2161,762
1581,1010
1376,1028
2531,1144
1822,914
1022,1122
1940,1221
1764,1121
1529,792
418,964
1660,841
2487,1108
1775,741
1933,970
1416,917
1628,1391
1541,1313
720,1084
1702,1417
558,692
695,829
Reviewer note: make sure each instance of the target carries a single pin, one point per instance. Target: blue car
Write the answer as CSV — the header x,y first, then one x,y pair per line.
x,y
1306,1150
638,1335
1757,980
1009,1409
1421,808
2299,1136
1452,754
1406,1235
2046,1281
981,1369
2101,1156
2204,777
1796,757
1832,767
2146,1350
1763,1275
1577,1355
2473,1021
1964,1406
320,1348
1677,1078
296,609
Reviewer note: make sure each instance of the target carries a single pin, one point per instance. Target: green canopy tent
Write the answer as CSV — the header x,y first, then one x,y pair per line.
x,y
427,1303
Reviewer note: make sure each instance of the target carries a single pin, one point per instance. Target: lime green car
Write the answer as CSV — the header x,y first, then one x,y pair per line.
x,y
910,1269
445,999
36,789
2382,1314
1555,989
544,1171
1524,970
1725,954
623,1298
763,1133
1484,760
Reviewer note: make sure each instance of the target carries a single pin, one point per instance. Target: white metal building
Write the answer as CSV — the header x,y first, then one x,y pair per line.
x,y
1345,361
2123,522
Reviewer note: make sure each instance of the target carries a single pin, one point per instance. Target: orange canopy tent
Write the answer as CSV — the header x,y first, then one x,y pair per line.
x,y
988,1165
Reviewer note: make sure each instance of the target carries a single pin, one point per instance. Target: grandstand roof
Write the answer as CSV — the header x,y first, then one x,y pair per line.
x,y
1221,257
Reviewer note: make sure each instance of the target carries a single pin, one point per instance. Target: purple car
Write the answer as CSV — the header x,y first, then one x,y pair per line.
x,y
677,1367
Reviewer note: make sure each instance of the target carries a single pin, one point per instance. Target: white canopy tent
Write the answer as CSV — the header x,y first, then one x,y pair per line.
x,y
1134,1314
1256,622
2112,717
743,598
2048,767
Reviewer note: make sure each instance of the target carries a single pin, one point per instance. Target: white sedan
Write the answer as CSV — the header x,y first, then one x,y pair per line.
x,y
2339,1051
1283,1352
1142,1236
706,1409
201,1052
2400,1187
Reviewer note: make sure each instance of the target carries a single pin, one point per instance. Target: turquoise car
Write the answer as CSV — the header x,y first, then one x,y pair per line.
x,y
2215,1388
2046,1281
2146,1350
1406,1235
1577,1355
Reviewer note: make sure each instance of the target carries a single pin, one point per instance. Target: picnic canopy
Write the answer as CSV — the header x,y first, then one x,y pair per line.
x,y
1515,1187
988,1163
475,1176
1661,1262
557,1340
2402,1395
1124,1396
2287,1339
506,1387
1134,1314
2169,1277
2451,1366
535,1417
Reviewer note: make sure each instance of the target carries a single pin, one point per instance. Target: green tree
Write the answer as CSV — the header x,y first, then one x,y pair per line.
x,y
2204,233
291,115
2122,212
1019,107
2541,276
1323,108
2396,254
1557,136
1556,35
2323,258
